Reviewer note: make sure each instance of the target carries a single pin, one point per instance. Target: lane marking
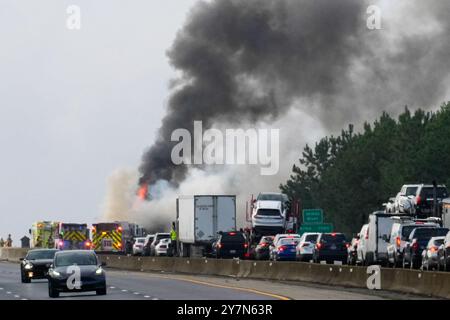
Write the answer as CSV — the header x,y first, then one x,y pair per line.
x,y
8,292
112,287
136,293
276,296
146,296
16,296
123,290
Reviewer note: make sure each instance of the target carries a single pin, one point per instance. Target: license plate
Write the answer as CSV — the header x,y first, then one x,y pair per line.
x,y
232,251
292,250
333,247
107,243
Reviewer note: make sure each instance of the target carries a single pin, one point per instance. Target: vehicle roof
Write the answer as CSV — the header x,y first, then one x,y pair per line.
x,y
64,252
310,233
42,249
437,238
159,233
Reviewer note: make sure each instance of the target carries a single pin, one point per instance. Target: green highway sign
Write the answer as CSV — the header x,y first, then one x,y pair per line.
x,y
312,216
318,227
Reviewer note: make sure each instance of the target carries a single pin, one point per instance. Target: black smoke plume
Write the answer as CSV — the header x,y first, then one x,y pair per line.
x,y
251,60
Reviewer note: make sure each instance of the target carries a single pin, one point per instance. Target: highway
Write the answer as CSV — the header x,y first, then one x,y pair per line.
x,y
125,285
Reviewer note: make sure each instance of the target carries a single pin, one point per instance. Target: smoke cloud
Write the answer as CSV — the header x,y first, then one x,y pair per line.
x,y
306,67
249,61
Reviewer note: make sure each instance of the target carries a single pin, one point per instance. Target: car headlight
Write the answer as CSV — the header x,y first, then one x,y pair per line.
x,y
28,266
54,273
99,271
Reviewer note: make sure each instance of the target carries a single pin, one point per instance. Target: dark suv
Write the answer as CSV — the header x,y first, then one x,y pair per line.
x,y
418,240
231,245
330,247
425,197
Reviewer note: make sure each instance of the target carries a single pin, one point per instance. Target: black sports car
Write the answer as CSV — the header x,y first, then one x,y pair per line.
x,y
36,263
76,271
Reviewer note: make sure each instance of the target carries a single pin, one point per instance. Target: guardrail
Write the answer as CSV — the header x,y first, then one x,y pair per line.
x,y
428,283
435,284
12,254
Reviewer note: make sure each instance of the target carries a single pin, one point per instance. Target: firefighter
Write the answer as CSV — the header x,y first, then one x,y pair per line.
x,y
50,242
173,239
2,243
9,241
38,242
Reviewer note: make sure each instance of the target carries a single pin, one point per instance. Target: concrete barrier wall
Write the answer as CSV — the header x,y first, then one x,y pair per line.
x,y
12,254
408,281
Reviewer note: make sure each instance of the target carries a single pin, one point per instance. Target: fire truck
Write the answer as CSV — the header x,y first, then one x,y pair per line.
x,y
43,231
72,236
115,237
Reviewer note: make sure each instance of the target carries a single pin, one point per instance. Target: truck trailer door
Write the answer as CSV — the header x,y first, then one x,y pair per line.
x,y
204,220
226,213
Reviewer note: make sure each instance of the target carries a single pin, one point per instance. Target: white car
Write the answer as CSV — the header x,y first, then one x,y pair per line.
x,y
162,247
361,250
430,258
138,246
305,247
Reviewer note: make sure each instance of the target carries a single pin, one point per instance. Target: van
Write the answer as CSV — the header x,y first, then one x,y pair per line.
x,y
380,225
361,249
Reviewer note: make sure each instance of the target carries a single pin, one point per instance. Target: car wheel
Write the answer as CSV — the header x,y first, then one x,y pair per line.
x,y
52,293
101,292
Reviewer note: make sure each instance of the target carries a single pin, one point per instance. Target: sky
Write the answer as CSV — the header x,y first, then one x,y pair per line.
x,y
77,104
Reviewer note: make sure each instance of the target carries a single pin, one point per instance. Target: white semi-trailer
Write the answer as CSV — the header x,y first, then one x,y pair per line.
x,y
199,220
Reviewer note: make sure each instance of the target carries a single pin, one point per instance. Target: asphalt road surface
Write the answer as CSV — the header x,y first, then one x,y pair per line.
x,y
125,285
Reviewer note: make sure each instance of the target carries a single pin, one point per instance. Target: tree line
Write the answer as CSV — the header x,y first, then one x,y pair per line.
x,y
351,175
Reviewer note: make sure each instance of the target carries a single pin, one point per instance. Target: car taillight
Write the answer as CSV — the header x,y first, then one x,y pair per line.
x,y
434,249
418,200
415,246
245,245
88,244
305,244
282,248
333,234
219,245
318,246
398,241
347,245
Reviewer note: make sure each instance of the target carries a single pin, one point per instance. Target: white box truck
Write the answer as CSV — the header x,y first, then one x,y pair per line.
x,y
379,230
199,220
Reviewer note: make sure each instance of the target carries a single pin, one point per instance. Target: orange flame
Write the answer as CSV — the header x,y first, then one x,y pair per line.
x,y
143,191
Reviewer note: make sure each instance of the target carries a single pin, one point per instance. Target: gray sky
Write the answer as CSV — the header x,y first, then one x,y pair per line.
x,y
75,105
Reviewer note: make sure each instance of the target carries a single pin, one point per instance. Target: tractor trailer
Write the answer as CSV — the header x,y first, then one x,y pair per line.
x,y
200,218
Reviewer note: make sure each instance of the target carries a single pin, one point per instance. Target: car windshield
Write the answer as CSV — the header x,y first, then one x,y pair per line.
x,y
311,238
406,230
270,197
288,241
75,258
330,238
427,192
266,240
232,237
438,242
41,255
162,236
426,233
411,191
269,212
140,240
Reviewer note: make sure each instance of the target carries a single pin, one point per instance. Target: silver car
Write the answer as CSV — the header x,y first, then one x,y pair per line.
x,y
430,257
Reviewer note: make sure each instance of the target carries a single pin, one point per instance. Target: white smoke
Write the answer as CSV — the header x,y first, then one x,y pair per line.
x,y
240,180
